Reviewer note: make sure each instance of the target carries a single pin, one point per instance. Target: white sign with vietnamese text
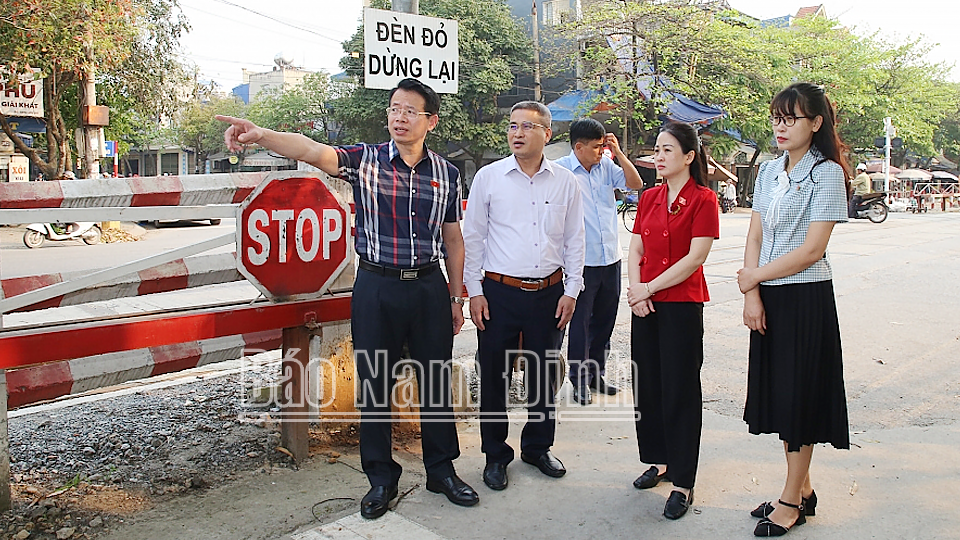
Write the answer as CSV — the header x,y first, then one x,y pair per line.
x,y
24,98
19,168
400,45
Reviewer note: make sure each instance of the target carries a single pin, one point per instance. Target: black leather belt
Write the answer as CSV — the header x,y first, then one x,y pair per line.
x,y
403,274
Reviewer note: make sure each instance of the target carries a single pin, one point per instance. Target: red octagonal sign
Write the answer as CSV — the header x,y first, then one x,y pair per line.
x,y
292,236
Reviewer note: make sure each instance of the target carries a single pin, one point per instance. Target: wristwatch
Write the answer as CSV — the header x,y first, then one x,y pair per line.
x,y
457,300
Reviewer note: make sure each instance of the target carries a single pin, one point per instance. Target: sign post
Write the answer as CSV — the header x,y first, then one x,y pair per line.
x,y
292,243
401,45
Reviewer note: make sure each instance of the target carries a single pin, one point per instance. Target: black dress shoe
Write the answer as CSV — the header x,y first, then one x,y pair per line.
x,y
768,527
677,505
495,476
809,507
455,489
649,479
377,500
547,463
581,394
602,387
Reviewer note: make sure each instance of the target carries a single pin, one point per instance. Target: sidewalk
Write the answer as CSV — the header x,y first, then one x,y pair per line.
x,y
898,483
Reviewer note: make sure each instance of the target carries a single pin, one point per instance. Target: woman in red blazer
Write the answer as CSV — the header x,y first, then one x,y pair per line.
x,y
676,224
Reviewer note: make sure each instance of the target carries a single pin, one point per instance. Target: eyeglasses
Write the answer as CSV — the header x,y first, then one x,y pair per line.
x,y
788,120
408,113
524,126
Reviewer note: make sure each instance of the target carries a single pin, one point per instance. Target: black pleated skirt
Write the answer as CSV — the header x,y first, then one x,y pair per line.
x,y
795,381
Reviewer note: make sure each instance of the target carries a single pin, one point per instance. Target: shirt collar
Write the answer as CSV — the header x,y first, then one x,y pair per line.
x,y
394,153
573,160
803,167
545,164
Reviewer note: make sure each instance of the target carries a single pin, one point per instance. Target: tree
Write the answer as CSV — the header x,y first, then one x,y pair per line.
x,y
128,43
947,137
301,108
681,46
196,127
493,50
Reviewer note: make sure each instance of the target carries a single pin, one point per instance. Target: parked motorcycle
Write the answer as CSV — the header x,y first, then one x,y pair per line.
x,y
873,207
38,232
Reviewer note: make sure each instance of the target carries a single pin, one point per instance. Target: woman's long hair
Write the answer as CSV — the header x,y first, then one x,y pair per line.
x,y
812,102
689,141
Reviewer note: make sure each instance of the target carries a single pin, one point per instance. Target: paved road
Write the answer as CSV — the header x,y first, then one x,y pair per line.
x,y
73,255
897,295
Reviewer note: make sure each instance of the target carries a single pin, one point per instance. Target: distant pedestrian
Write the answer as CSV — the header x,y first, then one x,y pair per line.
x,y
593,321
795,380
676,225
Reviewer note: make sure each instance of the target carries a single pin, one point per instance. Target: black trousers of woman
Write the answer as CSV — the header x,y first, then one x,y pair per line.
x,y
667,354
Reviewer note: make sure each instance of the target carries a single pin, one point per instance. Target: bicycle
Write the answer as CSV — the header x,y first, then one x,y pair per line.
x,y
627,208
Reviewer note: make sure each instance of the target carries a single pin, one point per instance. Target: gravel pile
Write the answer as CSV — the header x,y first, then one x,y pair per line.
x,y
77,469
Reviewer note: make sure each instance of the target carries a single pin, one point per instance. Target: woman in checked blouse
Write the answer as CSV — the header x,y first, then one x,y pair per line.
x,y
795,381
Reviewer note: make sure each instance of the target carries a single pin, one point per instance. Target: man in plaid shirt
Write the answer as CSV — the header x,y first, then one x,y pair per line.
x,y
408,218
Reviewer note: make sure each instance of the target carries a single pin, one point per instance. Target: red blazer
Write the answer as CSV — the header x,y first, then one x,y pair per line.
x,y
666,237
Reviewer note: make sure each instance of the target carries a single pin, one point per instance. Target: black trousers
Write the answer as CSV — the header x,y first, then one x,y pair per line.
x,y
386,313
593,322
667,354
512,312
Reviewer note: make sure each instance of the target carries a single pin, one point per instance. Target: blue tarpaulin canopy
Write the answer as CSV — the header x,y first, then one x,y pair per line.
x,y
678,107
574,104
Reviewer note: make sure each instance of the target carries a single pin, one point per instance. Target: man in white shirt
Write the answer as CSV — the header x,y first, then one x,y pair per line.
x,y
596,314
524,241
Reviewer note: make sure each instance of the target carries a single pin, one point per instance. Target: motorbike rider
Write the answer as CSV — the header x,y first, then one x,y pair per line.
x,y
729,196
860,186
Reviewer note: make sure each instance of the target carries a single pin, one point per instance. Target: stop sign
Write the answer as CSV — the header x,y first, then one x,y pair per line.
x,y
292,236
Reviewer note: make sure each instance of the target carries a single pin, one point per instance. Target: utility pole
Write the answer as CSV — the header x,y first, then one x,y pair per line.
x,y
888,132
406,6
92,117
537,95
91,148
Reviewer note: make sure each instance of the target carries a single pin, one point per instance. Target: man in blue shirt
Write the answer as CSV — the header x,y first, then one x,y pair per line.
x,y
596,312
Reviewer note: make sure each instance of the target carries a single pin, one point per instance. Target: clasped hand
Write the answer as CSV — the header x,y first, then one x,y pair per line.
x,y
638,298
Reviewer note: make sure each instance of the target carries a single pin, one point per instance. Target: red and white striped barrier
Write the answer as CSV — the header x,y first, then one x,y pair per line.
x,y
48,381
188,190
183,273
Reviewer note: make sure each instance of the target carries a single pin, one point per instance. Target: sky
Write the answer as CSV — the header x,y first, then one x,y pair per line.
x,y
227,36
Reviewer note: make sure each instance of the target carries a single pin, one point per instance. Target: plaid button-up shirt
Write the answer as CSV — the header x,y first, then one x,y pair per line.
x,y
400,209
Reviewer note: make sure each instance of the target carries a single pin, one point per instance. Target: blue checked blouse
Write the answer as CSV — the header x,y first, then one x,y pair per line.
x,y
813,191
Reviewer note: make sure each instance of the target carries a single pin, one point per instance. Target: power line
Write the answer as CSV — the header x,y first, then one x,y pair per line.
x,y
274,19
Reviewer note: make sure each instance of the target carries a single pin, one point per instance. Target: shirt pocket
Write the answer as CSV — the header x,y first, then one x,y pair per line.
x,y
554,219
795,202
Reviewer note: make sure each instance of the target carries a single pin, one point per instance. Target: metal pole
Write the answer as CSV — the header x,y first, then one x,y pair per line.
x,y
888,131
537,95
406,6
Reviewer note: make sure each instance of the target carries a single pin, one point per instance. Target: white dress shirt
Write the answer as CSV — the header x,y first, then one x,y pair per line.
x,y
599,207
524,227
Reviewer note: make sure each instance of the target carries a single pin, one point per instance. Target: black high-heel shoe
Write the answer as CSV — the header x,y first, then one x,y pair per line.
x,y
809,506
768,527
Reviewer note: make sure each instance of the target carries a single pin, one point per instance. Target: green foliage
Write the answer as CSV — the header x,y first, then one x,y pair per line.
x,y
301,109
493,50
947,136
197,128
726,59
128,44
